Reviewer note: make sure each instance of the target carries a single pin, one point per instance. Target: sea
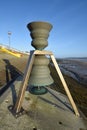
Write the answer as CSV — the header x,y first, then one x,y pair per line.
x,y
75,68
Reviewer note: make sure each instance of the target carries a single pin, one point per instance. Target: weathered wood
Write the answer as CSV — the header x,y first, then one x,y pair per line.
x,y
44,52
65,85
24,82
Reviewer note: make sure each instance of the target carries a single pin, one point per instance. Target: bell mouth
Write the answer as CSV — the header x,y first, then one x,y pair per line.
x,y
37,90
39,24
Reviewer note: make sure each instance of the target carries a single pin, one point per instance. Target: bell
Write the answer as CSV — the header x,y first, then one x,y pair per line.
x,y
39,32
40,75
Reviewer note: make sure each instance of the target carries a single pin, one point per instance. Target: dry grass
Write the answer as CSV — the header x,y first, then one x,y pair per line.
x,y
10,66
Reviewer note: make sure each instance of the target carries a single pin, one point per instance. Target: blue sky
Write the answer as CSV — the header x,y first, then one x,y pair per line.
x,y
68,37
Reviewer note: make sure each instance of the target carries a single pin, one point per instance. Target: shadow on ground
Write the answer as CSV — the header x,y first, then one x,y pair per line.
x,y
12,73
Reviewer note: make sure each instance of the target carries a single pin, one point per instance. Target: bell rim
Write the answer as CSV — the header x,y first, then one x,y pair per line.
x,y
39,24
34,90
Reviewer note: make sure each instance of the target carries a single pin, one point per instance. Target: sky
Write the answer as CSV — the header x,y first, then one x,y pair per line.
x,y
68,37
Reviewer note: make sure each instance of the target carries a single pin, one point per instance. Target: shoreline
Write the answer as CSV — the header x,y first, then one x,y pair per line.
x,y
76,68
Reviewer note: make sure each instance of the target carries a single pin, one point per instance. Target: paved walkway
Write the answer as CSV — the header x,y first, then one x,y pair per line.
x,y
50,111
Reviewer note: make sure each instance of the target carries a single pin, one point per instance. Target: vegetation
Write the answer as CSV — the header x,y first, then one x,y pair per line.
x,y
78,91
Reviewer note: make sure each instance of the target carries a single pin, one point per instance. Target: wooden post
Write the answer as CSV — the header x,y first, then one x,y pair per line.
x,y
23,86
64,85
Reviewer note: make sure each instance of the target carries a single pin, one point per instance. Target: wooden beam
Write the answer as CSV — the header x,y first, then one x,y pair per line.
x,y
24,84
43,52
64,85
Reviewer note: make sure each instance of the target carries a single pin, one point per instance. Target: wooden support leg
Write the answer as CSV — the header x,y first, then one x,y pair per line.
x,y
23,86
65,85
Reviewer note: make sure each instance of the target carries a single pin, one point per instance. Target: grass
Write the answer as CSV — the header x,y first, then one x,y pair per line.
x,y
78,91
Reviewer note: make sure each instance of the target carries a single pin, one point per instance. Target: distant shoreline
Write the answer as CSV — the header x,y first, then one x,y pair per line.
x,y
75,68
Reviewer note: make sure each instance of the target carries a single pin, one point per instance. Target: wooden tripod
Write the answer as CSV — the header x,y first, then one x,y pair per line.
x,y
28,69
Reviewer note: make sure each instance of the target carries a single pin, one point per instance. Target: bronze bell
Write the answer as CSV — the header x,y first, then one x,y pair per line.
x,y
40,75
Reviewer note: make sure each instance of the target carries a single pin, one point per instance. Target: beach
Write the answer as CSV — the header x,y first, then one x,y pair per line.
x,y
75,68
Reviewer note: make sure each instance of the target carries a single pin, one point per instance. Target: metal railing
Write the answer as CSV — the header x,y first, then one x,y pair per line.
x,y
12,49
